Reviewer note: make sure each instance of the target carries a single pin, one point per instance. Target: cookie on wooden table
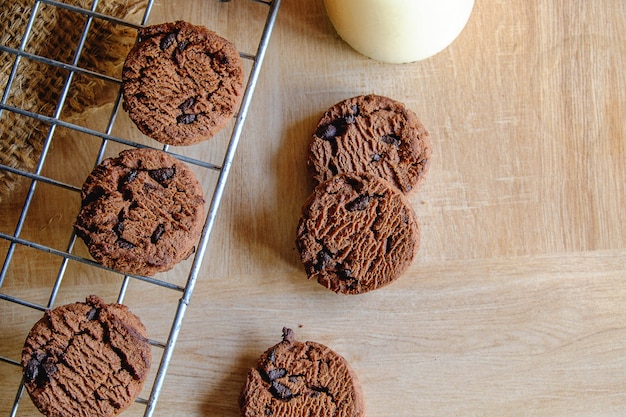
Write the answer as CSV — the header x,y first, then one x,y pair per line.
x,y
294,379
181,83
142,212
86,359
371,133
357,233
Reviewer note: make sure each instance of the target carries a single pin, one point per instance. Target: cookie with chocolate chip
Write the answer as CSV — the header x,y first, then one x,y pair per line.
x,y
86,359
357,233
293,379
142,212
181,83
374,134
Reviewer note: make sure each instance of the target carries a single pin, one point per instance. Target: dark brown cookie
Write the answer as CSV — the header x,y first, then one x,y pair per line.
x,y
181,83
372,134
357,233
142,212
294,379
86,359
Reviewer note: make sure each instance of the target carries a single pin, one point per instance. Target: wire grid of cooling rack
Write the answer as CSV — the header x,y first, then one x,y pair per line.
x,y
36,177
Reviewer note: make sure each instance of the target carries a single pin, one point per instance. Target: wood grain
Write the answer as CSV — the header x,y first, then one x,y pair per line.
x,y
515,304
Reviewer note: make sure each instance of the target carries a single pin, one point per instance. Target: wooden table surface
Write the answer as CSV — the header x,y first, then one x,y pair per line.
x,y
516,302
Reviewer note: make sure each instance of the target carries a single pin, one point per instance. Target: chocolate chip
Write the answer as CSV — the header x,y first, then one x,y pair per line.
x,y
182,45
276,373
158,232
167,41
186,119
49,369
280,391
326,132
324,390
148,187
323,259
124,244
391,139
271,357
342,125
294,378
127,194
352,283
31,370
355,183
359,203
118,229
389,244
94,195
130,177
224,59
336,128
186,105
39,369
344,273
93,314
161,175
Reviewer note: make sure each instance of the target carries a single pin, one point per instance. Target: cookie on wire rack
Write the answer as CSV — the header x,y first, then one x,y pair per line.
x,y
86,359
142,212
181,83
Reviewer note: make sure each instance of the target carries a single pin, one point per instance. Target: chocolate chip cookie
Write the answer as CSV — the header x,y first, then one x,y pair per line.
x,y
374,134
86,359
181,83
142,212
294,379
357,233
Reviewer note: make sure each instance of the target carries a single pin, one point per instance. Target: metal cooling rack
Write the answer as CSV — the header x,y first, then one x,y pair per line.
x,y
15,240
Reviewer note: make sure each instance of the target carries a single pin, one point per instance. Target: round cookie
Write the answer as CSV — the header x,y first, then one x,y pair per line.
x,y
181,83
294,379
357,233
142,212
86,359
374,134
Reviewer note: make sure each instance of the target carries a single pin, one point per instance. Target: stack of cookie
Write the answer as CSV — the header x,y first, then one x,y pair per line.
x,y
358,231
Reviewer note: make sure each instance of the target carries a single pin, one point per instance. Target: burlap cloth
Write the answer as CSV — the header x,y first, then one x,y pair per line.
x,y
37,86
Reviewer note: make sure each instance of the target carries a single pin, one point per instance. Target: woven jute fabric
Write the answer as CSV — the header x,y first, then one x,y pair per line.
x,y
37,86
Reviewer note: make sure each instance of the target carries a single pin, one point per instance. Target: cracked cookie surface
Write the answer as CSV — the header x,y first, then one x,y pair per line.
x,y
181,83
86,359
357,233
373,134
142,212
294,379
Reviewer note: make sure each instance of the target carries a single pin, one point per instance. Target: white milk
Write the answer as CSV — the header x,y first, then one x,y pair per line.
x,y
398,31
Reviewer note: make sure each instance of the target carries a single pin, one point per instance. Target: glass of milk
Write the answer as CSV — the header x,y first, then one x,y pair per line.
x,y
398,31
